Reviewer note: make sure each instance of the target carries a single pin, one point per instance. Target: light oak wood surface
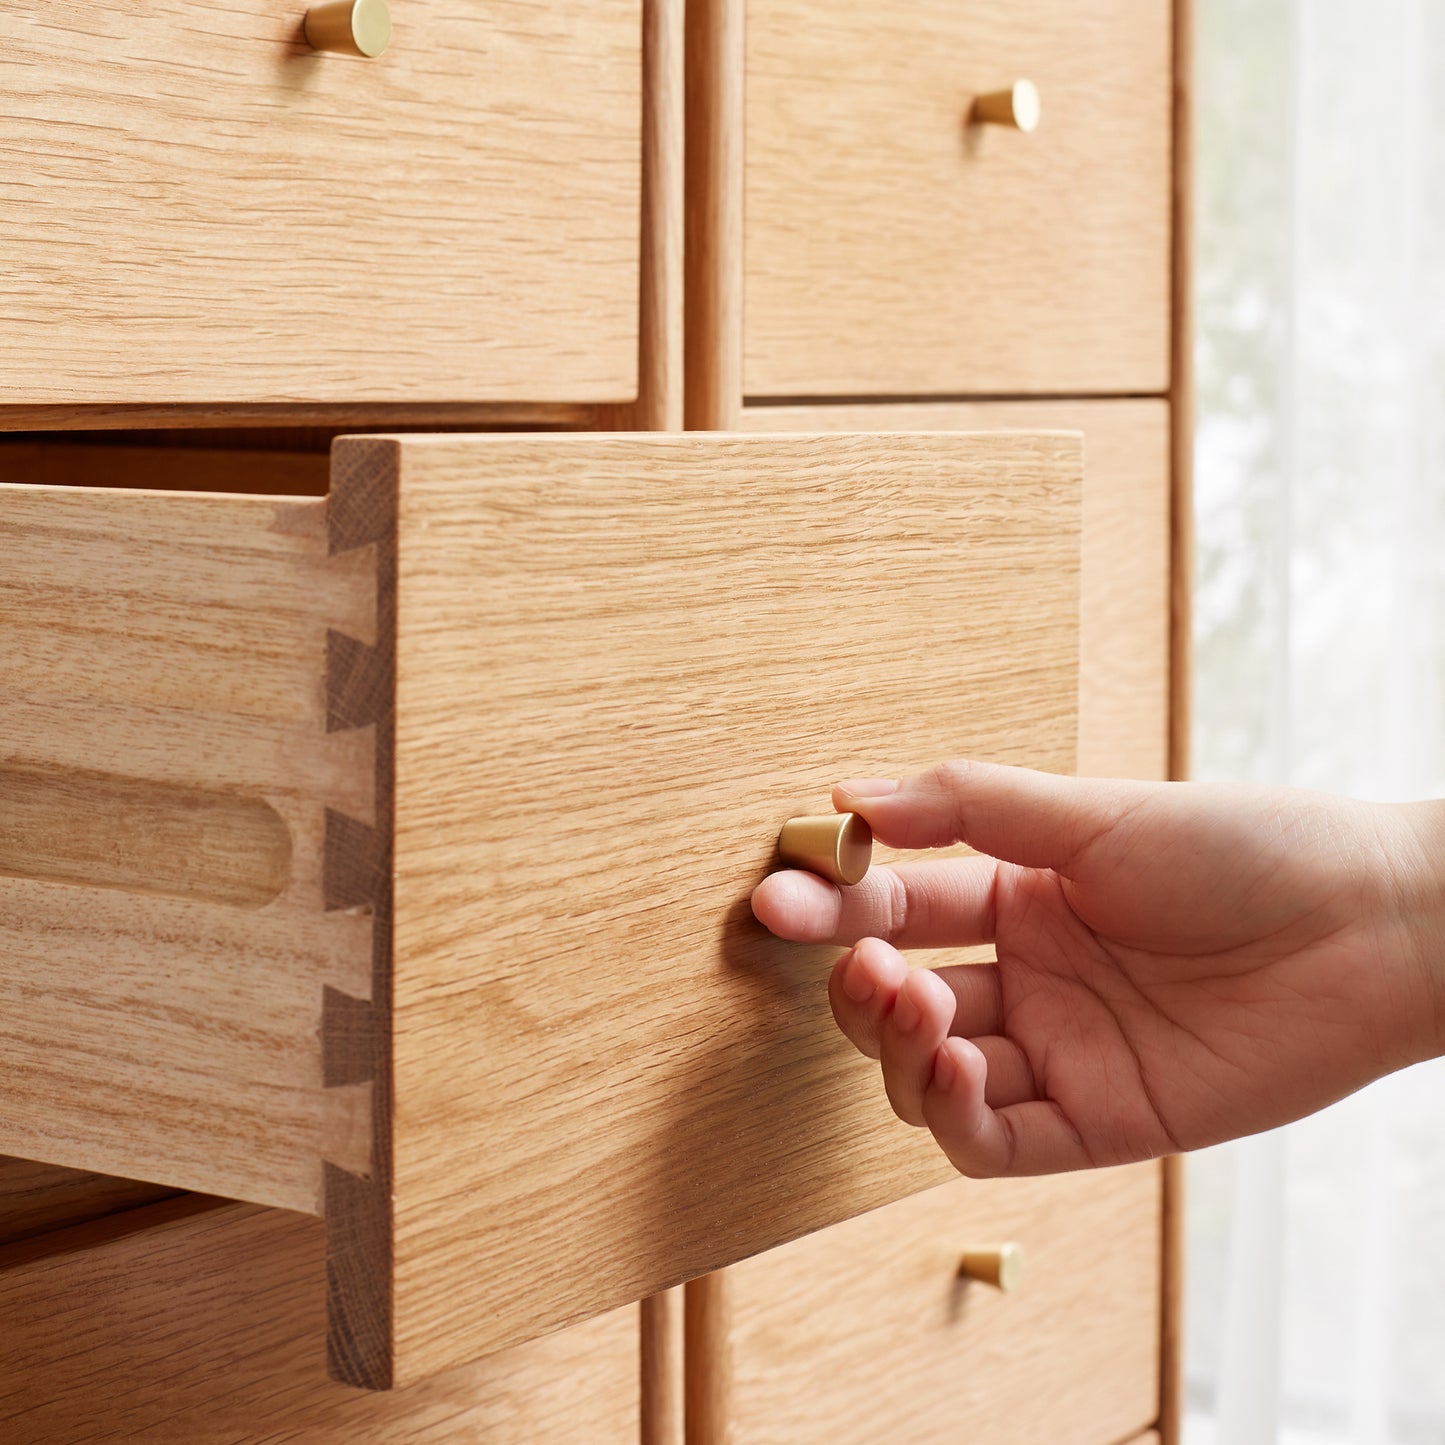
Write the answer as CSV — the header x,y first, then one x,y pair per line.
x,y
38,1199
194,1323
709,1336
131,422
197,208
714,256
545,316
1182,412
867,1331
659,404
663,1352
712,612
1124,639
1171,1404
168,772
894,248
606,1077
660,407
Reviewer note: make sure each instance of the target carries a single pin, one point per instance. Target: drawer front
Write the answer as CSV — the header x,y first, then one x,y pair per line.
x,y
204,1325
196,207
1124,584
894,245
607,1077
869,1331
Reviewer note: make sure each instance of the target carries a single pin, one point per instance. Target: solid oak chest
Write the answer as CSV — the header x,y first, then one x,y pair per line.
x,y
457,502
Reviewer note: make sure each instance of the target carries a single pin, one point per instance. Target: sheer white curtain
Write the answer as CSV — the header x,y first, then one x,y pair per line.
x,y
1316,1306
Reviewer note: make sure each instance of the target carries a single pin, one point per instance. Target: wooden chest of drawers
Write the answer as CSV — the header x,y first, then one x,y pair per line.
x,y
383,856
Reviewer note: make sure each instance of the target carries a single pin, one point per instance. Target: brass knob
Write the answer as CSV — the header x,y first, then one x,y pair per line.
x,y
839,846
349,27
1018,107
1000,1265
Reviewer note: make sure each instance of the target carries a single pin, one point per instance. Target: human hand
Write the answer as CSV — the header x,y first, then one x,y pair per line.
x,y
1178,963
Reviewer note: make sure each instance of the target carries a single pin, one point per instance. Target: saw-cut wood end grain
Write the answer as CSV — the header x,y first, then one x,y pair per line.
x,y
357,866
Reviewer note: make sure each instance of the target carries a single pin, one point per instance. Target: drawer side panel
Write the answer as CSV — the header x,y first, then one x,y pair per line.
x,y
163,669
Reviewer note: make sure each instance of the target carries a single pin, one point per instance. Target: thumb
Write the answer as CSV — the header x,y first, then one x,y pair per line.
x,y
1038,820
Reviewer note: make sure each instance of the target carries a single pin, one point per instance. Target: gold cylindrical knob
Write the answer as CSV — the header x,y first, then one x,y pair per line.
x,y
349,27
1018,107
839,846
1000,1265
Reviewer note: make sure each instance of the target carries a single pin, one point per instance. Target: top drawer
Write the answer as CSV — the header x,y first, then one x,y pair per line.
x,y
895,244
196,207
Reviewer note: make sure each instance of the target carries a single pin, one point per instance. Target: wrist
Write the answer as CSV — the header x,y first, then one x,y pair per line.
x,y
1420,892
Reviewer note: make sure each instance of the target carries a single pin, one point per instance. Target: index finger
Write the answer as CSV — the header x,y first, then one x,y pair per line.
x,y
1038,820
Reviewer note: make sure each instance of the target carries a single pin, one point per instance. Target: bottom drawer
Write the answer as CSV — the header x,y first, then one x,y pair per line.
x,y
202,1323
869,1330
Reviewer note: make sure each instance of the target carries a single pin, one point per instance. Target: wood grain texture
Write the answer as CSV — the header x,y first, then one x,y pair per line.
x,y
39,1199
165,646
660,325
663,1352
909,1350
892,248
714,255
197,208
1171,1345
350,416
140,836
709,1359
192,1324
607,1078
1182,415
1124,653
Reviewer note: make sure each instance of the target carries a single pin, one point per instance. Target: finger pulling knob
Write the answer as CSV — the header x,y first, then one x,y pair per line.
x,y
838,846
1000,1265
349,27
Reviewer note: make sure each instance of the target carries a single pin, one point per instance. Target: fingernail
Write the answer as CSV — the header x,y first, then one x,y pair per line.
x,y
856,981
906,1013
869,787
945,1069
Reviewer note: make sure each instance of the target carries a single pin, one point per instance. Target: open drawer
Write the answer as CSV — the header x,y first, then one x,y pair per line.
x,y
388,856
